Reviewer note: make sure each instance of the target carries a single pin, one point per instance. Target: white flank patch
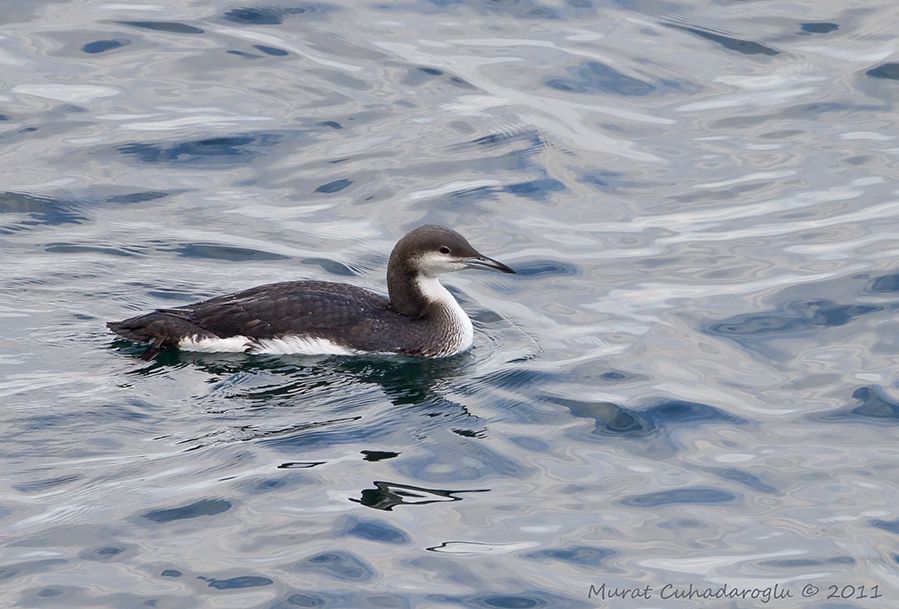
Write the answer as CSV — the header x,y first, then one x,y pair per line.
x,y
234,344
433,290
300,345
288,345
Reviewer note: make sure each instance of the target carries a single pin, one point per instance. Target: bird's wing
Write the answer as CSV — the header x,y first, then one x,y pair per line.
x,y
296,307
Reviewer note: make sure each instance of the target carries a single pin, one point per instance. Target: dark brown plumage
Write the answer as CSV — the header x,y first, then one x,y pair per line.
x,y
409,323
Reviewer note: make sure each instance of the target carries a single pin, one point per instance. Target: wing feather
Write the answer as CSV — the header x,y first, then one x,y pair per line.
x,y
293,307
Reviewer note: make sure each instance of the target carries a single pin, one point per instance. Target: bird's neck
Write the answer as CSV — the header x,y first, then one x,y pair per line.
x,y
417,295
424,298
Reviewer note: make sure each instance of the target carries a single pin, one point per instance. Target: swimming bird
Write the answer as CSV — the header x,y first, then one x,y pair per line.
x,y
420,318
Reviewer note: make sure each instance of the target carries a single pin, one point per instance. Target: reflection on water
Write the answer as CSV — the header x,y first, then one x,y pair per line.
x,y
692,379
386,496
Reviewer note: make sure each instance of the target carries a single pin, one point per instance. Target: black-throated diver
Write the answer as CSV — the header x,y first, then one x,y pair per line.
x,y
420,318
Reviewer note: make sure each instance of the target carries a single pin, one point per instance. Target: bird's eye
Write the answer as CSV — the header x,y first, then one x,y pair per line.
x,y
444,249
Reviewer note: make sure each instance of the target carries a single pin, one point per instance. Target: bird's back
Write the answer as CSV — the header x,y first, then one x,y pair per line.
x,y
290,307
285,317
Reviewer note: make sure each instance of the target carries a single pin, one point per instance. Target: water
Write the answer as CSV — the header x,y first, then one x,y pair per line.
x,y
691,381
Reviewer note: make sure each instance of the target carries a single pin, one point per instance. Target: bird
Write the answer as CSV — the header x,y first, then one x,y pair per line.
x,y
418,318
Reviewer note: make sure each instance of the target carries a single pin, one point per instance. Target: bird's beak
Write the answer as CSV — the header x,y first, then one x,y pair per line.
x,y
483,262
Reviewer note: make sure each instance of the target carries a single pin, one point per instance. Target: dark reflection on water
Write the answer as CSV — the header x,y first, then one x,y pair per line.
x,y
274,52
375,531
379,455
539,190
891,526
614,419
606,181
212,152
341,566
103,554
335,186
792,317
746,47
255,16
611,419
748,480
679,412
171,27
303,600
805,562
220,252
298,465
886,284
13,570
43,485
699,495
386,495
138,197
593,76
40,209
299,435
874,406
101,46
527,599
530,138
587,557
819,28
242,581
890,71
272,15
205,507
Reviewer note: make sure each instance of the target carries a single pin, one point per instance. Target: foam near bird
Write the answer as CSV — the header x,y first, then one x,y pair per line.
x,y
420,318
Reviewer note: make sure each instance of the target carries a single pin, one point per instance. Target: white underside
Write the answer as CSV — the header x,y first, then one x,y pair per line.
x,y
288,345
434,291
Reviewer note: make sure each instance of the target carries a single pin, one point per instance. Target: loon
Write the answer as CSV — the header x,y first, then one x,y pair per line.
x,y
420,318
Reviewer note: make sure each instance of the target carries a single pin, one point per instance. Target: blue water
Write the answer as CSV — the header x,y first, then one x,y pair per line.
x,y
691,381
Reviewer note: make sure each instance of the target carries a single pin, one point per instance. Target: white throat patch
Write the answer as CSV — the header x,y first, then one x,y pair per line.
x,y
462,334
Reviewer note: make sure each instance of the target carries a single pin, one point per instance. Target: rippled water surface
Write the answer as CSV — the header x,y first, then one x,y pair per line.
x,y
692,379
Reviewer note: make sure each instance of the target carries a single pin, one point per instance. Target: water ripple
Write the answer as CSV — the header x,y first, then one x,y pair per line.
x,y
732,43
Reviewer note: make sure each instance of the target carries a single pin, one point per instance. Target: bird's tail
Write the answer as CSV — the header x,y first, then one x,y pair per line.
x,y
161,329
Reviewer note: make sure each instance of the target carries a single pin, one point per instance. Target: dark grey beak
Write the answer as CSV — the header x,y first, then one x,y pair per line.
x,y
483,262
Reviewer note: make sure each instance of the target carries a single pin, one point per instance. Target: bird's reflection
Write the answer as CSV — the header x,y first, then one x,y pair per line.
x,y
405,380
290,381
387,495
